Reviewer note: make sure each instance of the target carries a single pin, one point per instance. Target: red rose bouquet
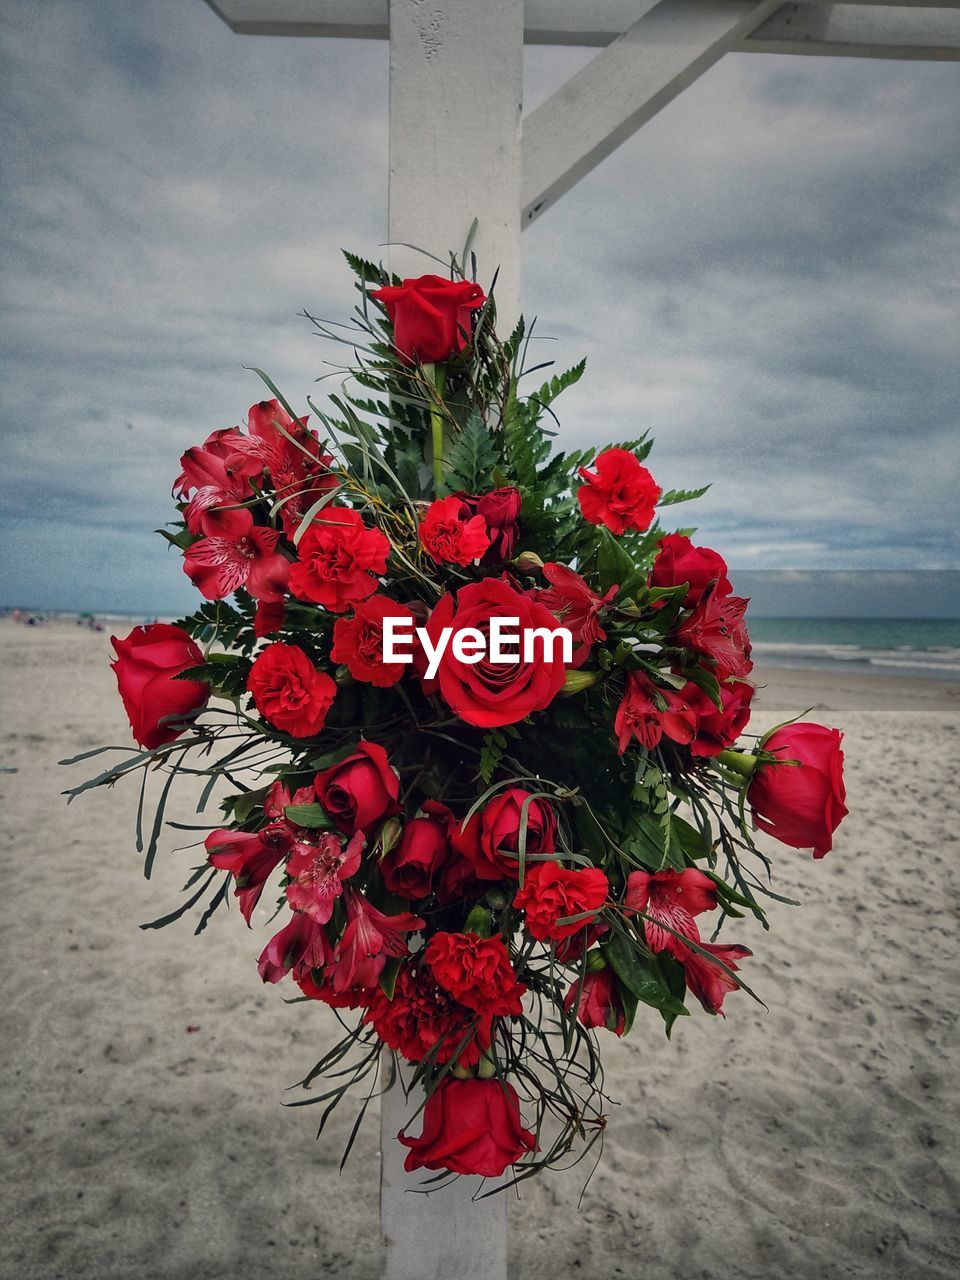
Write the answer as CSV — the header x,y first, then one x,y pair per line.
x,y
470,715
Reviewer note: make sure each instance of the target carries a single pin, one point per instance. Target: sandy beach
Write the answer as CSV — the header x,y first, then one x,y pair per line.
x,y
143,1071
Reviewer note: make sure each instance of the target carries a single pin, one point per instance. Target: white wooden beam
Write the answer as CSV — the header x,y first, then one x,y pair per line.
x,y
623,87
568,22
456,84
920,32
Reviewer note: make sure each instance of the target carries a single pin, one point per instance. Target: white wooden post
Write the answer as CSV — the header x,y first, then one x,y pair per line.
x,y
456,84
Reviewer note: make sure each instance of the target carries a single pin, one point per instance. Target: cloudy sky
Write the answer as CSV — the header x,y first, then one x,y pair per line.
x,y
764,276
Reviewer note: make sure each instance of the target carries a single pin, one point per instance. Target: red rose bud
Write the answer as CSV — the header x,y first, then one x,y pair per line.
x,y
618,493
360,790
500,511
431,316
679,561
472,1127
145,666
800,804
289,691
600,1003
501,818
408,869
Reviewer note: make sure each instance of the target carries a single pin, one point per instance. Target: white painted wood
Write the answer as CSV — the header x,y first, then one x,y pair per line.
x,y
623,87
447,1235
456,83
926,33
568,22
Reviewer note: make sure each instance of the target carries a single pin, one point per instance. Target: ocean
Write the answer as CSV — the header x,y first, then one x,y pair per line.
x,y
928,648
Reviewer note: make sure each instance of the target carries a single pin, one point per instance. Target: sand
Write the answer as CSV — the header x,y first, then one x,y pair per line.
x,y
143,1072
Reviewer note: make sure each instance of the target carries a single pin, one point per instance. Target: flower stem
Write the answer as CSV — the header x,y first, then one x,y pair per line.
x,y
741,762
437,376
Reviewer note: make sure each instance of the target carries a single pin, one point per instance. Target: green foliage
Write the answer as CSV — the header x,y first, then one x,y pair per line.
x,y
470,460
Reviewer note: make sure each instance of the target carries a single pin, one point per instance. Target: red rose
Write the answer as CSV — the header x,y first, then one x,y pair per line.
x,y
470,1126
476,971
430,315
145,666
451,535
409,868
500,510
495,693
647,713
600,1003
360,790
718,728
619,492
716,629
424,1019
234,553
289,691
679,561
801,804
551,893
572,602
338,558
358,641
498,846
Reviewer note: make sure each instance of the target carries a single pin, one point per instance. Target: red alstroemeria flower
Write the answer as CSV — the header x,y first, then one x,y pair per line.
x,y
301,945
279,798
251,857
718,728
451,535
369,940
219,473
673,899
317,871
716,629
236,553
640,717
339,560
578,608
291,453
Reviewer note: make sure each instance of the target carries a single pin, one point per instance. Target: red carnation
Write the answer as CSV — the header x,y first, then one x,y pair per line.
x,y
500,511
470,1126
718,727
359,791
716,629
410,867
476,971
487,694
600,1003
289,691
572,602
358,641
551,893
451,535
233,553
679,561
619,492
423,1018
145,666
647,714
339,559
801,804
430,315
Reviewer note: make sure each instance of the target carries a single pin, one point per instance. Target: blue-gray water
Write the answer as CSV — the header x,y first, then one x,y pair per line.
x,y
924,647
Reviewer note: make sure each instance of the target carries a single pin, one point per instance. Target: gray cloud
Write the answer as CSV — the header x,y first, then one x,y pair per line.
x,y
760,277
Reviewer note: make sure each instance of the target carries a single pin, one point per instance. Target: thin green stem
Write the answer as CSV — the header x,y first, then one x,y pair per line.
x,y
436,375
742,763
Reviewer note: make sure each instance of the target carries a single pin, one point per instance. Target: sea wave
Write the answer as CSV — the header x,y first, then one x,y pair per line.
x,y
935,661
